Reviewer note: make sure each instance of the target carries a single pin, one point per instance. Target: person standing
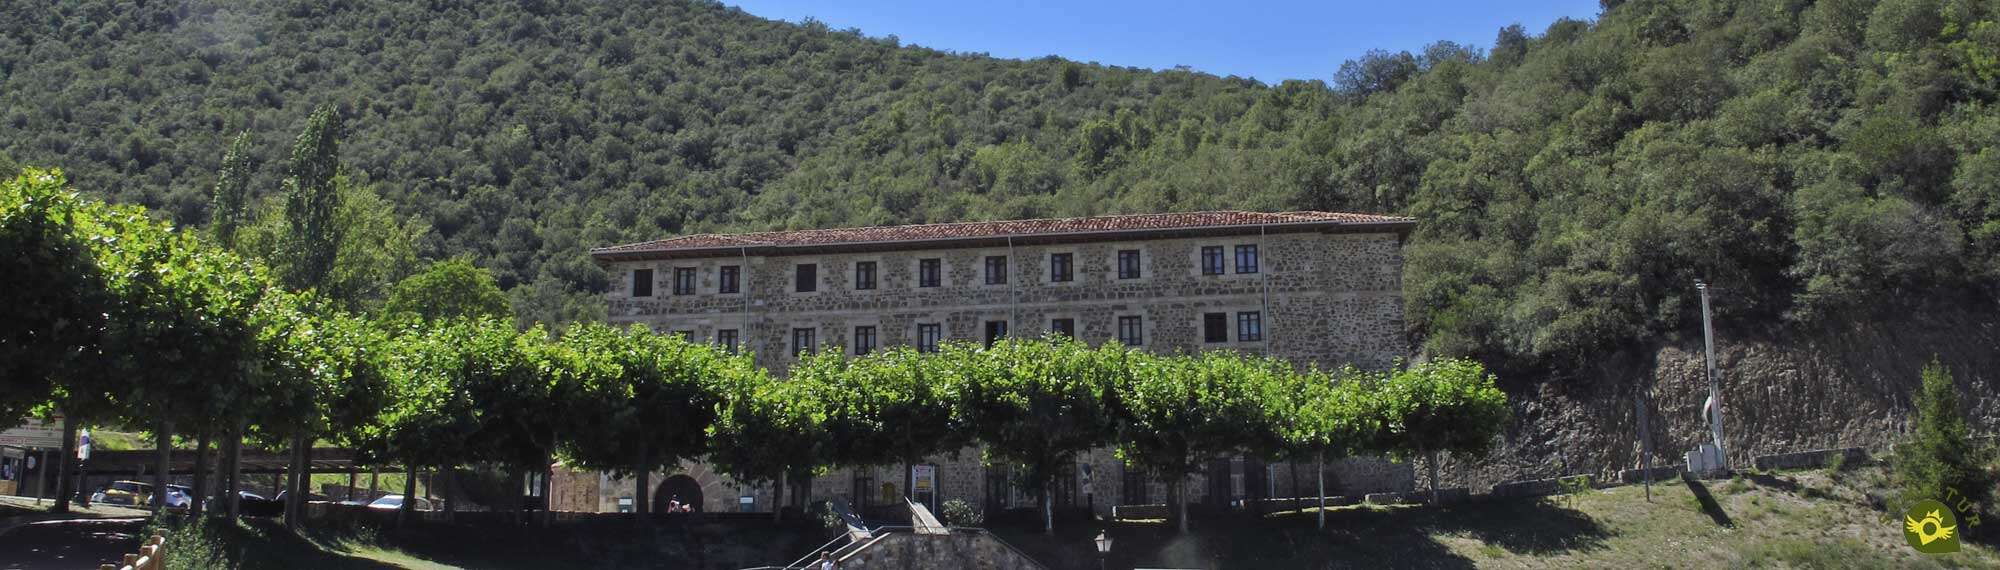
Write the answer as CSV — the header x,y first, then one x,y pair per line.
x,y
826,561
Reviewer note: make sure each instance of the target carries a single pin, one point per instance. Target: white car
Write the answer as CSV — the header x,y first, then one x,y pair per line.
x,y
179,497
393,502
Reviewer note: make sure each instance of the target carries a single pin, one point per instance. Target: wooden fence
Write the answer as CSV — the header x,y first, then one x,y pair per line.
x,y
152,556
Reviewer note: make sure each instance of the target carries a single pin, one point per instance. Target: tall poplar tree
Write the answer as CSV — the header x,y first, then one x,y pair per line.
x,y
312,201
230,202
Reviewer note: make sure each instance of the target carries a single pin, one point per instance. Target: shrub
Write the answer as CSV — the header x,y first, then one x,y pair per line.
x,y
191,544
957,512
1940,461
830,519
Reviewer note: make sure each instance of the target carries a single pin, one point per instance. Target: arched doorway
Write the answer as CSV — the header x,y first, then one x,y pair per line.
x,y
679,487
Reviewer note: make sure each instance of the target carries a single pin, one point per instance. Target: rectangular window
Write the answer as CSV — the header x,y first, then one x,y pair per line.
x,y
727,281
726,338
1128,264
864,340
1246,259
1061,267
1065,327
1211,260
808,277
1249,326
684,280
864,275
928,337
995,330
930,272
685,335
642,282
996,270
803,341
1215,327
1131,331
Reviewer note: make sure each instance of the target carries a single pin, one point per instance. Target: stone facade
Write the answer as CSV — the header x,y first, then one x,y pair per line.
x,y
1323,296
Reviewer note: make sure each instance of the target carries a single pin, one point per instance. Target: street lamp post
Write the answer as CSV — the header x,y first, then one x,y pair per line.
x,y
1714,408
1103,549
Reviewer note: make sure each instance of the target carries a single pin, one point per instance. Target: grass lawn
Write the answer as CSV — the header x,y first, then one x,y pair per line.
x,y
1788,520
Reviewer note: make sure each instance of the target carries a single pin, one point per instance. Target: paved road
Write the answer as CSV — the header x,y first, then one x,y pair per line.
x,y
69,544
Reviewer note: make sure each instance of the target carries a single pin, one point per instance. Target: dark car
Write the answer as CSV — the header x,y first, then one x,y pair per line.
x,y
251,504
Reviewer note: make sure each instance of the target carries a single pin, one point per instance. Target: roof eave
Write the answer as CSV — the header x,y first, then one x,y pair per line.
x,y
1401,227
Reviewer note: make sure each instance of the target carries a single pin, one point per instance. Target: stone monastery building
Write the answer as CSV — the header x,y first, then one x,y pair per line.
x,y
1318,288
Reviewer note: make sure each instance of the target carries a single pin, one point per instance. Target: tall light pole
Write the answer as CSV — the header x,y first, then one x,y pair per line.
x,y
1714,407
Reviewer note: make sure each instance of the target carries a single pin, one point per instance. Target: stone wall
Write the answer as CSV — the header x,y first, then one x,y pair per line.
x,y
908,551
1845,383
1325,299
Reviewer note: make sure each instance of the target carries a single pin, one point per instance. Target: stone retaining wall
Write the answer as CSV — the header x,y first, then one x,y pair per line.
x,y
1813,459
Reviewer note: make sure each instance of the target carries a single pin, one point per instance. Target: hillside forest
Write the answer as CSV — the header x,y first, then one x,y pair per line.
x,y
1816,159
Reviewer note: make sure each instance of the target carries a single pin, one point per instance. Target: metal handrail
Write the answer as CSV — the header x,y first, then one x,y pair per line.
x,y
800,563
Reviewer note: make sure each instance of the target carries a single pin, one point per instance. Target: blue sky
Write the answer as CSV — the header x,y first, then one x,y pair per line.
x,y
1271,40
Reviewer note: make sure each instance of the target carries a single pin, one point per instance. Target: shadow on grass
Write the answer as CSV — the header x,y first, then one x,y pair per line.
x,y
1768,480
1528,526
1708,504
1353,538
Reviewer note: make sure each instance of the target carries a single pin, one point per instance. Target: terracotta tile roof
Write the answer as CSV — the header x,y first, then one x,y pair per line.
x,y
999,229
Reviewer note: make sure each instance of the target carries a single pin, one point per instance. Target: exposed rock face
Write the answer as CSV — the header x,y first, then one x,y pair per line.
x,y
1842,384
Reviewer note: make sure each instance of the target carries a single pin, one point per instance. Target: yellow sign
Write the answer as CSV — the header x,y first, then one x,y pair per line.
x,y
1931,528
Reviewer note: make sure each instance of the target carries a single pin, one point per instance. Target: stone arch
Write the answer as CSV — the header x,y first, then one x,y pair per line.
x,y
680,487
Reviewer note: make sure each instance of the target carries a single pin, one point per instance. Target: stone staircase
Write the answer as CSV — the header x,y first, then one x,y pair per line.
x,y
925,543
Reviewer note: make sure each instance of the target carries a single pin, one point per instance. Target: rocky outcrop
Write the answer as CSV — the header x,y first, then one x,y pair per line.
x,y
1842,384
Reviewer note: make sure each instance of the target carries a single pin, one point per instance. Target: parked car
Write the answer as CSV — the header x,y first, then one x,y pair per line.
x,y
179,497
250,504
128,493
393,502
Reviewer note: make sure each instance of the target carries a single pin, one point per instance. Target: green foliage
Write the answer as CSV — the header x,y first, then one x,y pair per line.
x,y
55,305
375,251
312,202
1940,461
1036,404
1450,406
649,401
1569,186
959,513
431,417
450,289
230,201
767,429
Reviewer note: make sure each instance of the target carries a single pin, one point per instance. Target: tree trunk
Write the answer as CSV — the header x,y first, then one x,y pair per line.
x,y
163,457
1296,491
778,497
450,485
300,480
1048,505
548,478
409,493
374,483
65,487
306,470
1434,477
1180,496
353,479
641,496
200,487
232,492
1320,465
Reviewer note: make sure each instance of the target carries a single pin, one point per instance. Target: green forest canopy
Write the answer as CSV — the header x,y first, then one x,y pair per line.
x,y
1812,157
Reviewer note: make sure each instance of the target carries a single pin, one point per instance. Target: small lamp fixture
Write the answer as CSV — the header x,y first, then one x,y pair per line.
x,y
1103,543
